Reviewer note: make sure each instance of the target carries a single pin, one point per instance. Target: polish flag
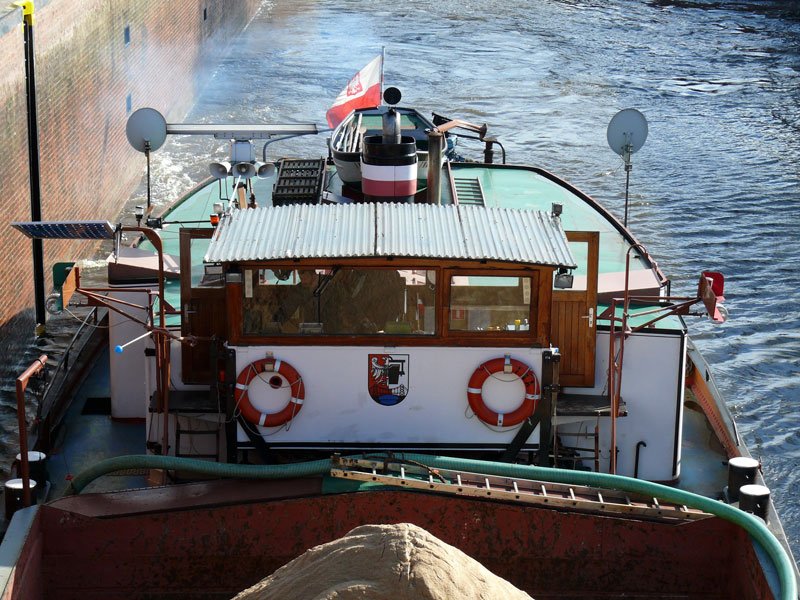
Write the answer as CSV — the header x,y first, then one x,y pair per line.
x,y
362,91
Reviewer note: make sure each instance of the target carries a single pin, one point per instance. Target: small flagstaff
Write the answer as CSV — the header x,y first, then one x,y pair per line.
x,y
33,163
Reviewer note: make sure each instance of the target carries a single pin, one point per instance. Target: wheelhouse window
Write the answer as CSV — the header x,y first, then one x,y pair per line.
x,y
491,303
338,301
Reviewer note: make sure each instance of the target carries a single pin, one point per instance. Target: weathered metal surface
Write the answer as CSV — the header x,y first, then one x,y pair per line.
x,y
187,496
214,552
21,569
413,230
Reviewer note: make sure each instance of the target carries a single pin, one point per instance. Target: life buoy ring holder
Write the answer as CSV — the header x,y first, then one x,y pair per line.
x,y
269,365
505,365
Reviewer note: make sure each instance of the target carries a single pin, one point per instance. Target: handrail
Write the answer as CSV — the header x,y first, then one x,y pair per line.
x,y
64,362
22,383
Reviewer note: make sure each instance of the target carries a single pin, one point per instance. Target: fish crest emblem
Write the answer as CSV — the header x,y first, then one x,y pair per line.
x,y
388,378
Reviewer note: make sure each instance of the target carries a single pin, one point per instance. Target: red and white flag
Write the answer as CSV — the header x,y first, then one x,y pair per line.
x,y
362,91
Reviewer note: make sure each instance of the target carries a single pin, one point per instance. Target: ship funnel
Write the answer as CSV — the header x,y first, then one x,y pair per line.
x,y
389,160
391,127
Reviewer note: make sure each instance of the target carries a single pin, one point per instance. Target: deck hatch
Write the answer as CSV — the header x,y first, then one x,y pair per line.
x,y
378,230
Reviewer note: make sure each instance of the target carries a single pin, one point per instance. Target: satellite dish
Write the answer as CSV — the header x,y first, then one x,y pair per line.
x,y
627,131
392,95
146,125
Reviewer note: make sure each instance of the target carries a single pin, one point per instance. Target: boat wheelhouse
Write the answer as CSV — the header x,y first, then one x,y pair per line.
x,y
347,293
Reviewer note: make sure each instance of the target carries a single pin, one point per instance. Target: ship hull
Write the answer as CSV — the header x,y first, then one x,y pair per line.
x,y
211,540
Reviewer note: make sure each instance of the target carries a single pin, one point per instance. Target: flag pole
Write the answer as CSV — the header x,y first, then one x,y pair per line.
x,y
383,61
33,162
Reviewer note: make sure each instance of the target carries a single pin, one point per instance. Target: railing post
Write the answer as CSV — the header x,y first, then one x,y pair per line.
x,y
550,389
22,383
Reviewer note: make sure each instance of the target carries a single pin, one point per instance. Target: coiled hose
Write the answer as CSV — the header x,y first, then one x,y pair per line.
x,y
750,523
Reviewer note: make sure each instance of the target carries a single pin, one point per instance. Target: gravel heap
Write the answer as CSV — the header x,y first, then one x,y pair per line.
x,y
383,562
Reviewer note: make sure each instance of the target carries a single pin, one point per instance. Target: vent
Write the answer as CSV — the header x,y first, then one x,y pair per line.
x,y
299,182
468,190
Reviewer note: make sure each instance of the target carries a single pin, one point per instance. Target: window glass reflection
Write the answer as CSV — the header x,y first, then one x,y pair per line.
x,y
338,301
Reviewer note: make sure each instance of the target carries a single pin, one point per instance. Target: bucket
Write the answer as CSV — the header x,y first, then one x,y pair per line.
x,y
37,465
13,493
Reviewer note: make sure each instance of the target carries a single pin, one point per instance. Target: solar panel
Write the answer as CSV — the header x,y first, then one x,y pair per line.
x,y
66,230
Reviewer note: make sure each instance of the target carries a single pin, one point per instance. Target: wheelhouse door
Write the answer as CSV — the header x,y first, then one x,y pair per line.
x,y
203,311
573,322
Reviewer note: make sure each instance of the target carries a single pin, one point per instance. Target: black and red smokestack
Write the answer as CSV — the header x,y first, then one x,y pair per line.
x,y
389,160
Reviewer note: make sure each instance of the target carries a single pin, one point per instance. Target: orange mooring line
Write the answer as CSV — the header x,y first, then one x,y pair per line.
x,y
697,385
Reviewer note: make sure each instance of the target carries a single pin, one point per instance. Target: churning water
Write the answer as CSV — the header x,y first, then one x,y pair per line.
x,y
716,186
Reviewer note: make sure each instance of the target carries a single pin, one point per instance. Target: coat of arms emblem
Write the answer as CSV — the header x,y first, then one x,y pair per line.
x,y
354,85
388,378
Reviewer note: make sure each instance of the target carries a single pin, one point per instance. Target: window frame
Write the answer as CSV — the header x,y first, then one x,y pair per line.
x,y
539,317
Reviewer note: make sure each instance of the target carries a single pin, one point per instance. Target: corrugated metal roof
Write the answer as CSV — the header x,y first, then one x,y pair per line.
x,y
412,230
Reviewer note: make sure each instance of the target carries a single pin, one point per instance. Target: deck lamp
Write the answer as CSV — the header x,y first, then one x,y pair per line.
x,y
138,212
217,214
563,279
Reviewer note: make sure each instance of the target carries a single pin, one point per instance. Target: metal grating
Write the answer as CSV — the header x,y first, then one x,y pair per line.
x,y
468,190
299,181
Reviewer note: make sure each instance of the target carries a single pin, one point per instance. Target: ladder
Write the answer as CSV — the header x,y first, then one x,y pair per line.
x,y
468,190
413,475
190,429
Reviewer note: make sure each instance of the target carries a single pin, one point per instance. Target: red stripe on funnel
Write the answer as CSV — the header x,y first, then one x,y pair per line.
x,y
389,188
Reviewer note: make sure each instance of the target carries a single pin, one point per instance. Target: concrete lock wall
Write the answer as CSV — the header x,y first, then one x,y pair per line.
x,y
96,62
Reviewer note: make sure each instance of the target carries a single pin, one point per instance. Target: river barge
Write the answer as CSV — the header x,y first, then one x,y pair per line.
x,y
390,334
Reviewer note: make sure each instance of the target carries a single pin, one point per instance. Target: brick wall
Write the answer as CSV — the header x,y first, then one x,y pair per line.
x,y
85,71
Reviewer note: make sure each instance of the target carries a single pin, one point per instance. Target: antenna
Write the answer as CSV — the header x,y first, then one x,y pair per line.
x,y
146,130
626,134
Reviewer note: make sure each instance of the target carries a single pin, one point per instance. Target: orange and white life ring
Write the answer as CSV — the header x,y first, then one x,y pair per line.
x,y
503,365
285,370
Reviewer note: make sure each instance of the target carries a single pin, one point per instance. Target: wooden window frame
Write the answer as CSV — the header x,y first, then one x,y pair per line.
x,y
534,336
541,277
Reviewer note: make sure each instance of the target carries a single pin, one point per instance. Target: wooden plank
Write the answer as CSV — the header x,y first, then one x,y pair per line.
x,y
71,283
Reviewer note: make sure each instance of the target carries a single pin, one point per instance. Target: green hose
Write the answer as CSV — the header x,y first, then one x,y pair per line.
x,y
750,523
198,467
